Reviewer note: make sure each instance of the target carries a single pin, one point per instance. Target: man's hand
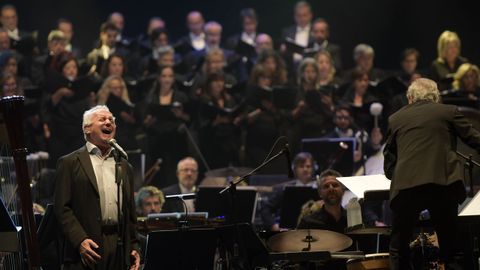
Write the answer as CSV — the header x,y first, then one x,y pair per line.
x,y
136,264
87,254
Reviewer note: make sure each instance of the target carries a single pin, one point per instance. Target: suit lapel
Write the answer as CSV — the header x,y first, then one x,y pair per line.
x,y
86,163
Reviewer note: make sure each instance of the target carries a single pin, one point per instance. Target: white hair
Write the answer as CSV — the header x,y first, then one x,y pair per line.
x,y
88,115
362,49
180,163
423,89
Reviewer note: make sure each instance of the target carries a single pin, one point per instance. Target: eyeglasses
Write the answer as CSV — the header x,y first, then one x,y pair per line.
x,y
188,170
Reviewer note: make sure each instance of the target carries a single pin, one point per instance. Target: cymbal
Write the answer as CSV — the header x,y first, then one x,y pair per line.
x,y
228,171
298,240
362,229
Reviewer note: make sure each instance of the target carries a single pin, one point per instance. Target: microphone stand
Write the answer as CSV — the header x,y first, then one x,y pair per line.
x,y
232,188
120,208
469,162
197,149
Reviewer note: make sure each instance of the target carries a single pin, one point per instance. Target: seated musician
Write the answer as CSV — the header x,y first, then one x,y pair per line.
x,y
329,214
149,200
187,173
303,169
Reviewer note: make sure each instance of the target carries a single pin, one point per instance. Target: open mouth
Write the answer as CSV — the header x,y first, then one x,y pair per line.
x,y
106,131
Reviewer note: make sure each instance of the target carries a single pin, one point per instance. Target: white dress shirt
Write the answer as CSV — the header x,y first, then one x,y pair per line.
x,y
190,203
104,169
198,41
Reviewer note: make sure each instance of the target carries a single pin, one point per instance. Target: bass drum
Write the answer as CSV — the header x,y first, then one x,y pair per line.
x,y
376,261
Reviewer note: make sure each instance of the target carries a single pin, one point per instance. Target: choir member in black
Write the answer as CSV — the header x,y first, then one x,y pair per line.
x,y
41,65
4,41
115,66
299,33
117,19
219,133
240,42
448,61
263,42
272,61
359,97
108,46
195,39
159,43
165,118
22,41
215,62
392,91
249,20
213,38
313,114
143,40
328,80
364,55
321,34
466,84
67,98
9,85
66,26
9,64
114,94
264,122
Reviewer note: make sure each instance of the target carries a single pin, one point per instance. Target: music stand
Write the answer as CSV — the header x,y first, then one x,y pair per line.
x,y
181,249
252,251
329,153
218,205
293,200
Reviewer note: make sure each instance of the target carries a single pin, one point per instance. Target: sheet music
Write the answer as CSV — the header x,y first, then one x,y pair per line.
x,y
359,184
473,207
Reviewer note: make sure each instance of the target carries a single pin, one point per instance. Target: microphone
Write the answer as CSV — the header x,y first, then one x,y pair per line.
x,y
289,161
186,196
113,143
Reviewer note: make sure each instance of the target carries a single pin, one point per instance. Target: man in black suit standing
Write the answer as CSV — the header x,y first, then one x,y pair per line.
x,y
187,174
86,201
300,33
321,33
426,173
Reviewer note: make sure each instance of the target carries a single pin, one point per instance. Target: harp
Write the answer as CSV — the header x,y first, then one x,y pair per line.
x,y
15,183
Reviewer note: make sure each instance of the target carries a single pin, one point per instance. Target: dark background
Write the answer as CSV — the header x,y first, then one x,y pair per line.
x,y
388,25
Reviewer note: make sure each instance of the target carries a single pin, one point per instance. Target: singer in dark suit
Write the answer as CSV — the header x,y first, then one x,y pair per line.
x,y
86,201
426,173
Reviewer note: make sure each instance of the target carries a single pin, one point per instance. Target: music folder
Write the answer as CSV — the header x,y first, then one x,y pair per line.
x,y
359,185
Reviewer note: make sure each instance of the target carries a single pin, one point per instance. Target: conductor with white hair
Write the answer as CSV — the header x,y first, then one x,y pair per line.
x,y
421,160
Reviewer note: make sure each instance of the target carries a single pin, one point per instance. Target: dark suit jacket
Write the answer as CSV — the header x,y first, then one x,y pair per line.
x,y
290,32
421,144
77,204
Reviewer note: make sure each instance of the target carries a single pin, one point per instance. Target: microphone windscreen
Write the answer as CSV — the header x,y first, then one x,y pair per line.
x,y
376,109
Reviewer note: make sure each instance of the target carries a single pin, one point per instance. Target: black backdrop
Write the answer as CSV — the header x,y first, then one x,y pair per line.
x,y
388,25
